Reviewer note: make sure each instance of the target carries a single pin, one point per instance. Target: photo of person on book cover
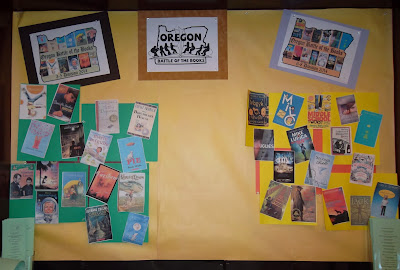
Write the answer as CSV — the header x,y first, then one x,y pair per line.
x,y
98,223
275,200
263,144
72,140
46,210
103,183
284,166
63,103
341,141
21,181
301,143
46,175
385,200
303,204
336,207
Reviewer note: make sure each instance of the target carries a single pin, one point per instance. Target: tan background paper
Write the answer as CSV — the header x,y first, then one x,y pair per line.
x,y
202,190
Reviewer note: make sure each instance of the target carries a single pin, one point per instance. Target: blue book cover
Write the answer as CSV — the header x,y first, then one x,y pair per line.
x,y
37,138
385,200
135,228
319,169
368,128
288,110
132,154
73,189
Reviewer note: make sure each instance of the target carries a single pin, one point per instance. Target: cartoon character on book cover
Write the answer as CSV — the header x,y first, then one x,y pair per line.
x,y
63,104
385,200
46,210
284,166
319,111
72,140
288,110
341,141
347,108
33,101
336,205
131,192
258,109
303,204
360,210
98,223
103,183
132,154
362,169
47,175
21,181
142,120
37,138
96,148
263,144
301,143
275,200
135,228
319,169
73,189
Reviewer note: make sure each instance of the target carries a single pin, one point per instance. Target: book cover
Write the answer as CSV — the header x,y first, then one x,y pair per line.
x,y
98,223
73,189
46,175
46,210
336,205
347,109
319,170
263,144
368,128
303,204
301,143
107,116
132,154
72,140
131,192
135,228
33,100
37,138
275,200
96,148
362,169
319,111
103,183
258,109
288,110
63,104
22,178
341,141
142,120
284,166
385,201
360,210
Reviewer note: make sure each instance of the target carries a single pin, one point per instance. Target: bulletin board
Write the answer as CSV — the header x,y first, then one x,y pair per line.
x,y
203,204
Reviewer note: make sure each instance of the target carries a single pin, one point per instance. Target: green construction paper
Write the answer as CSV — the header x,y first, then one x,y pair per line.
x,y
54,150
125,111
118,219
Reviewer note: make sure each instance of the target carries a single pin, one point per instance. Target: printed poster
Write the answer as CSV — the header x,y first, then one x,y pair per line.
x,y
284,166
33,100
385,201
368,128
96,148
288,110
263,144
132,154
46,210
347,108
303,204
362,169
341,141
47,175
258,109
64,102
336,207
98,223
21,181
72,140
319,111
135,229
142,120
103,183
301,143
73,189
275,200
131,192
107,116
360,210
37,138
319,170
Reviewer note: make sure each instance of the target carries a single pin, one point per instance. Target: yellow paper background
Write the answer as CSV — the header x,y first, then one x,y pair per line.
x,y
202,199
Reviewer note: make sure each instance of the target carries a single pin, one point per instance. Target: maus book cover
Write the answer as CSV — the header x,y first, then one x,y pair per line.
x,y
301,143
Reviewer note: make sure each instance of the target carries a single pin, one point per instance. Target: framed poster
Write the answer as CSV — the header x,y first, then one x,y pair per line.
x,y
320,49
182,45
77,50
